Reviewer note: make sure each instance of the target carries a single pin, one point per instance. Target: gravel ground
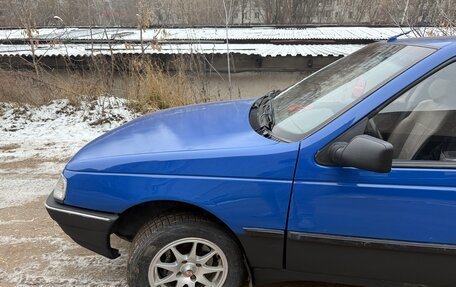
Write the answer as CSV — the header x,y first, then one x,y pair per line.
x,y
33,249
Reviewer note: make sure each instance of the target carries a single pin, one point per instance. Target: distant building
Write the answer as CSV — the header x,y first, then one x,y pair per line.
x,y
319,12
247,12
367,12
343,12
339,12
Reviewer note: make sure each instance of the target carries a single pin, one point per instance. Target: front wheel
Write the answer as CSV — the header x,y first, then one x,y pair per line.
x,y
183,250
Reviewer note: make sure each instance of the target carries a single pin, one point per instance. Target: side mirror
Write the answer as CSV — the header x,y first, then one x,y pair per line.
x,y
363,152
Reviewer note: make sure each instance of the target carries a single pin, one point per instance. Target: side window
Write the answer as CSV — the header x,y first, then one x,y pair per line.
x,y
421,123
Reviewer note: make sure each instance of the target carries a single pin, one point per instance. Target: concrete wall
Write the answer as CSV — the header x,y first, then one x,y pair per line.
x,y
246,63
239,63
251,84
251,76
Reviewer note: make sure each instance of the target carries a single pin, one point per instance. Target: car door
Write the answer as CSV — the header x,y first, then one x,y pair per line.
x,y
398,227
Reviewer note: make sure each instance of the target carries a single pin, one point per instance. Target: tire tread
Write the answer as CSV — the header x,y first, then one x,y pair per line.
x,y
161,224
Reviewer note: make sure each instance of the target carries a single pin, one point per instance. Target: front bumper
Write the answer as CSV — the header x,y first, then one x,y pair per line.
x,y
89,229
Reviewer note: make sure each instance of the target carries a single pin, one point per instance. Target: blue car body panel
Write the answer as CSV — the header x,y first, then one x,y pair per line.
x,y
405,205
402,205
236,202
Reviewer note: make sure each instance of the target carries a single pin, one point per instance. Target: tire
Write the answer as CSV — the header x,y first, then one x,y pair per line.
x,y
183,230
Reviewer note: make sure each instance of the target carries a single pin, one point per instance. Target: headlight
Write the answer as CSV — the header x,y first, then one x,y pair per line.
x,y
60,189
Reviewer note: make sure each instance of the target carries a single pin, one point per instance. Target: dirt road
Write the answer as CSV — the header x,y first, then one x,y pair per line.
x,y
33,249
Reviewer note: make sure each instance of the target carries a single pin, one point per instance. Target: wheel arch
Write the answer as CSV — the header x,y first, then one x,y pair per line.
x,y
131,220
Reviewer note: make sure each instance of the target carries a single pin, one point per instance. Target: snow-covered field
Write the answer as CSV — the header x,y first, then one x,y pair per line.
x,y
35,144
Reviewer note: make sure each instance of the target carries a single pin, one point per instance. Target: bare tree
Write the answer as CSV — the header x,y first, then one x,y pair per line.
x,y
28,23
413,14
144,16
407,13
228,6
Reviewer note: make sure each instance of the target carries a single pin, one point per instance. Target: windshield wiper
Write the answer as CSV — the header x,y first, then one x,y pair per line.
x,y
266,114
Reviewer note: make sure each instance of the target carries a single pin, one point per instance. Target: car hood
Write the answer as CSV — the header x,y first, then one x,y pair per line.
x,y
212,126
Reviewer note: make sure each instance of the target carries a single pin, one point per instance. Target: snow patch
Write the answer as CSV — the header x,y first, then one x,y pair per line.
x,y
50,268
59,129
18,191
60,120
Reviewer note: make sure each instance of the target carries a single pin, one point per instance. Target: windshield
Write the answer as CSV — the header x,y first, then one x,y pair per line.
x,y
310,103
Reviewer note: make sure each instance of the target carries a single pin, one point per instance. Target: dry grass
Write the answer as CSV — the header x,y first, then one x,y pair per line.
x,y
23,87
147,85
76,86
151,87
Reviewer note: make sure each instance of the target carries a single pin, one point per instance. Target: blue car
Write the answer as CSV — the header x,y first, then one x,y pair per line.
x,y
349,177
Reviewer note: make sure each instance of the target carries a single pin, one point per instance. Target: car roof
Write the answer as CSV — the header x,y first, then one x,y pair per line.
x,y
433,42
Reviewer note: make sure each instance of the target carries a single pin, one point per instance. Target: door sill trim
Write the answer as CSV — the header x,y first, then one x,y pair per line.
x,y
362,242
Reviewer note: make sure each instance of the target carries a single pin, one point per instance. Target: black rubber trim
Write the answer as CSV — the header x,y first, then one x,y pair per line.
x,y
263,232
366,261
416,247
424,164
90,229
256,240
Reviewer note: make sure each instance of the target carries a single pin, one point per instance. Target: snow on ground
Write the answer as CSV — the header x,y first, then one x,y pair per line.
x,y
39,140
57,129
61,268
17,191
61,120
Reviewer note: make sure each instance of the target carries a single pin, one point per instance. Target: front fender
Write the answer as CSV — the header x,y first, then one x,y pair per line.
x,y
238,202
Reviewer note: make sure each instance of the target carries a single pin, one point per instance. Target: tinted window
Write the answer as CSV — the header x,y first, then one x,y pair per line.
x,y
316,99
421,123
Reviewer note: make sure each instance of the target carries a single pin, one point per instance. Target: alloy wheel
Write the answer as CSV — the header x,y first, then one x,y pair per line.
x,y
189,262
